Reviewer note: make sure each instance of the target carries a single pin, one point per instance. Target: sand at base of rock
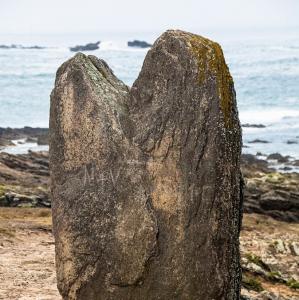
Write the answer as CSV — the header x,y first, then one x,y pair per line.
x,y
27,269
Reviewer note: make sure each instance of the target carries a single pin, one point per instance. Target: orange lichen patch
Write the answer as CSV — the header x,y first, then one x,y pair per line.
x,y
211,61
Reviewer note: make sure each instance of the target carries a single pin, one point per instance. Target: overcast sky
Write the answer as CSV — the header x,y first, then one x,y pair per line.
x,y
85,16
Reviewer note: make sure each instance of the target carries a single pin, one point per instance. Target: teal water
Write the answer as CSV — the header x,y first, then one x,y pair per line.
x,y
265,71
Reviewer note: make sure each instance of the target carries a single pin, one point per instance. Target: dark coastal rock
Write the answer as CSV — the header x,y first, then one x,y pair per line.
x,y
259,141
43,140
34,162
19,200
260,154
278,157
31,140
275,156
272,194
139,44
286,168
87,47
279,200
295,163
251,163
33,47
146,181
5,143
19,133
39,135
253,125
24,180
291,142
8,46
13,46
245,298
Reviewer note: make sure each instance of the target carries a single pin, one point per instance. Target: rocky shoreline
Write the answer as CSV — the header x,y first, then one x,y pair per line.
x,y
269,246
268,191
24,180
269,259
269,238
271,186
28,134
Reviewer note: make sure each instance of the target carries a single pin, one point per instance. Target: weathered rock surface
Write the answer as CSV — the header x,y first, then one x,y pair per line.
x,y
146,181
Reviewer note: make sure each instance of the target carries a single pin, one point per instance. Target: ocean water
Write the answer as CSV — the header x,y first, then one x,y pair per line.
x,y
265,71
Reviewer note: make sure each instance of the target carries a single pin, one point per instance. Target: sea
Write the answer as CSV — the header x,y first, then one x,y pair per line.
x,y
264,65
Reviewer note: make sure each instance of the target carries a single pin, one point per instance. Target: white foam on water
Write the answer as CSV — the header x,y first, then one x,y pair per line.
x,y
265,73
267,116
22,147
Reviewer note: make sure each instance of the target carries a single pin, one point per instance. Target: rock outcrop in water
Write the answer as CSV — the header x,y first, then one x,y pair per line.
x,y
25,132
146,181
87,47
139,44
13,46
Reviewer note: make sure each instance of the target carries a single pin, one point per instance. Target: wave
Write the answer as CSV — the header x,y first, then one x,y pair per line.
x,y
104,45
269,116
119,46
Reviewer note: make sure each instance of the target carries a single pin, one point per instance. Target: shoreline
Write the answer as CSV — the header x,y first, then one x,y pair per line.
x,y
24,139
24,181
269,241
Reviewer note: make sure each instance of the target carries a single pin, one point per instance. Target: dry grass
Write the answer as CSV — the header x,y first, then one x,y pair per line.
x,y
8,232
267,224
13,219
27,269
26,214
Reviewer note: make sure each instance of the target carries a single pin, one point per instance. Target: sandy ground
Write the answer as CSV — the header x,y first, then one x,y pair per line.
x,y
27,269
276,244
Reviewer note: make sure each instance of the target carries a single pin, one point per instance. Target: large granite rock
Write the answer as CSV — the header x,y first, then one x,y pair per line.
x,y
146,183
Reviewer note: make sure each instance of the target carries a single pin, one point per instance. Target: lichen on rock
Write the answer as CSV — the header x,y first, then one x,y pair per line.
x,y
211,62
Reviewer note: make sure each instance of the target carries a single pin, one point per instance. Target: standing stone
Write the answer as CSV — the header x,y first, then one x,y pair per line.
x,y
146,181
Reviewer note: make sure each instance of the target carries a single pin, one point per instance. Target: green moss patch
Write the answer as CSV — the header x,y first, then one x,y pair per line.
x,y
274,276
258,261
251,283
2,190
292,283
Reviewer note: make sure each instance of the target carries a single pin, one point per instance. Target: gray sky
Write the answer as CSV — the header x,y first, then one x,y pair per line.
x,y
72,16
